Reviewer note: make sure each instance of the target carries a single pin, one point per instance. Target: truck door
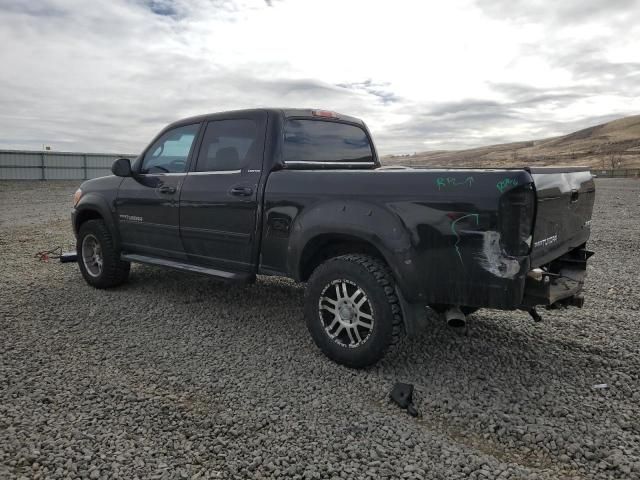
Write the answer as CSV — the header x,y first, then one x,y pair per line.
x,y
219,199
147,207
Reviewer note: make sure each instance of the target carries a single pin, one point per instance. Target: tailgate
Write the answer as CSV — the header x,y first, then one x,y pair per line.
x,y
563,212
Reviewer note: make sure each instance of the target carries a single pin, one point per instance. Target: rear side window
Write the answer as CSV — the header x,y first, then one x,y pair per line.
x,y
228,145
321,141
170,152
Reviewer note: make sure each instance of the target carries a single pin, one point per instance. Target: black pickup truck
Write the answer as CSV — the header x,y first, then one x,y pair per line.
x,y
302,194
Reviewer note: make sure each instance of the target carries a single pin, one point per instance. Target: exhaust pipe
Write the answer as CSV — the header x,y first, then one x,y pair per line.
x,y
455,318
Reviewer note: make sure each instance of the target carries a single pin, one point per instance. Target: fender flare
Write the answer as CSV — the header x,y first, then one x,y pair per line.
x,y
365,221
97,203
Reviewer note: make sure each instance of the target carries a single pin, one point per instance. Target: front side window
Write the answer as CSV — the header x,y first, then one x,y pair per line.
x,y
228,145
170,152
322,141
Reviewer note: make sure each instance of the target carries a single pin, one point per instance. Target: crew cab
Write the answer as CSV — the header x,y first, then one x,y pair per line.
x,y
302,194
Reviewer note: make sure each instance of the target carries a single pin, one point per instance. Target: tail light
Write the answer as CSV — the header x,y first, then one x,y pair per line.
x,y
517,210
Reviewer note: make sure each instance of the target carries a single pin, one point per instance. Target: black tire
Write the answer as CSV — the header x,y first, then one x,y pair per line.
x,y
375,281
113,271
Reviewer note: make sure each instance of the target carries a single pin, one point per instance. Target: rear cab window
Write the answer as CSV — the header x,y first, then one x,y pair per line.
x,y
229,145
325,142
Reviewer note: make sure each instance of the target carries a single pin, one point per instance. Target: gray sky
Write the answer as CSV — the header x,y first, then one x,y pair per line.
x,y
106,75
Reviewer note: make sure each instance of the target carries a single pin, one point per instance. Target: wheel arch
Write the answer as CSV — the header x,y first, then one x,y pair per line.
x,y
348,226
95,207
85,215
324,246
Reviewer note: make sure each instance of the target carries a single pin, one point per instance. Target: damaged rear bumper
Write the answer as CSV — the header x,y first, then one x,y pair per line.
x,y
558,283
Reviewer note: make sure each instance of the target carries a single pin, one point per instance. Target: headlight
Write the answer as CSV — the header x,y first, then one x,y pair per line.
x,y
76,197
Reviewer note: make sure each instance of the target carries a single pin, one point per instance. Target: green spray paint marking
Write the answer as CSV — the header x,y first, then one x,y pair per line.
x,y
453,229
444,182
503,184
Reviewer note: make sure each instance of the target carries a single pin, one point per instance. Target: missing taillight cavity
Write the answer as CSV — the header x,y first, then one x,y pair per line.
x,y
517,208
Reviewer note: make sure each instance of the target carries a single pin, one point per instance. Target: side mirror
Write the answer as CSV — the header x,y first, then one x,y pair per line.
x,y
121,168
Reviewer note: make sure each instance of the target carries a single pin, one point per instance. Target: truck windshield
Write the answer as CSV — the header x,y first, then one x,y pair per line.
x,y
323,141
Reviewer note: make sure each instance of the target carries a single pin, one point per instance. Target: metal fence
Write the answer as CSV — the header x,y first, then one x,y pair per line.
x,y
46,165
620,172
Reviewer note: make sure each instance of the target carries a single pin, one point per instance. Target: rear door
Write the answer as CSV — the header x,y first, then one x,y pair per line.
x,y
219,199
564,207
147,204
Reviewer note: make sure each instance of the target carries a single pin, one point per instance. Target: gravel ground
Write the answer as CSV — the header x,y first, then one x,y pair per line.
x,y
178,376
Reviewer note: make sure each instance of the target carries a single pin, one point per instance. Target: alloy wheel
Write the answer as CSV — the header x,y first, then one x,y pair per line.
x,y
92,255
346,313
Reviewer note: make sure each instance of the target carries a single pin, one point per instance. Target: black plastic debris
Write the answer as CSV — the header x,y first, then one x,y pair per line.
x,y
402,395
68,257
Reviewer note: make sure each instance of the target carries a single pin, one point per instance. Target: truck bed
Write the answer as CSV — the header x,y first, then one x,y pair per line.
x,y
443,231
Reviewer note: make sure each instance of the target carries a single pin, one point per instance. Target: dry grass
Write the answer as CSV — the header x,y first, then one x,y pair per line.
x,y
611,145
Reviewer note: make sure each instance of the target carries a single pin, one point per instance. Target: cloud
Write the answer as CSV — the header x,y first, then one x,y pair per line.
x,y
459,74
34,8
166,8
380,90
564,12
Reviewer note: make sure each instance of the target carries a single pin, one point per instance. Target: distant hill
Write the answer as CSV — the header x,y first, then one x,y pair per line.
x,y
611,145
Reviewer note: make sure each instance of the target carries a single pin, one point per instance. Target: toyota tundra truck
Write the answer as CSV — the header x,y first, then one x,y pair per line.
x,y
302,194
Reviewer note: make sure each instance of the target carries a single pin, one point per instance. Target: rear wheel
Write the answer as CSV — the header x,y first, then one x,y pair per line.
x,y
351,309
98,258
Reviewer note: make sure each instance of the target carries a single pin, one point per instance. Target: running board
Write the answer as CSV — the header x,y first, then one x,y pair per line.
x,y
187,267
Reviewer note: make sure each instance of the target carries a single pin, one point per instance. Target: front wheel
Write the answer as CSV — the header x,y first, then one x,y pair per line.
x,y
98,259
352,310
